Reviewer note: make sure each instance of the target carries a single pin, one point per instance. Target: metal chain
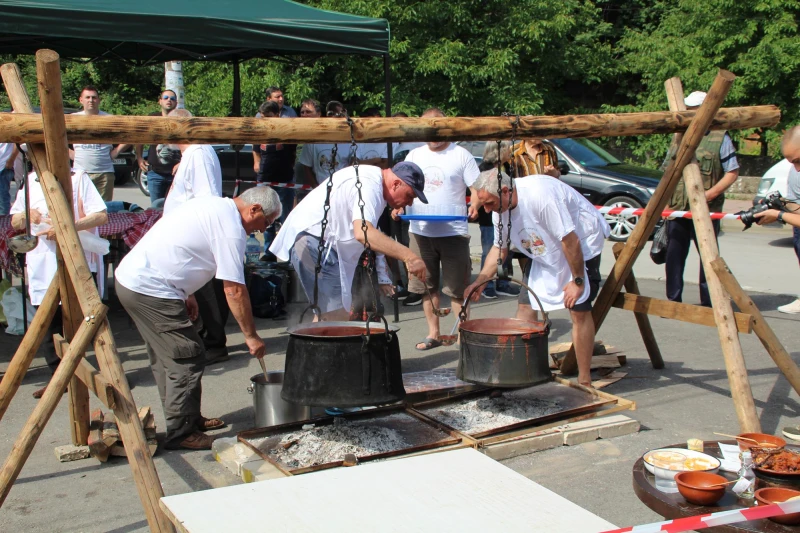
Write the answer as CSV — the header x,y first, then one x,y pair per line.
x,y
361,203
323,225
501,273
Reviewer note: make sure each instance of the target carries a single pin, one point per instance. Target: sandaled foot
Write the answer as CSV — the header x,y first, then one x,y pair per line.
x,y
207,424
195,441
428,343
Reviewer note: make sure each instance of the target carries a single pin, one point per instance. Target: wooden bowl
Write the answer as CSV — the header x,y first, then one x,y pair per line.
x,y
694,486
771,495
760,437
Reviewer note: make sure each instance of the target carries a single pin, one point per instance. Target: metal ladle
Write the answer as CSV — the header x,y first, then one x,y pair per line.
x,y
449,340
438,311
22,244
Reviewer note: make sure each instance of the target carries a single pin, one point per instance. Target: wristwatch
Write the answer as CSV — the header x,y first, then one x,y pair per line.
x,y
780,218
579,281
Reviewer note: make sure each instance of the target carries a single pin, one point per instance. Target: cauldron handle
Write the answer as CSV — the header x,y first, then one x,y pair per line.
x,y
463,314
313,307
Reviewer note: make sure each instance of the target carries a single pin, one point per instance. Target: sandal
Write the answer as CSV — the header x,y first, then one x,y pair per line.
x,y
207,424
428,343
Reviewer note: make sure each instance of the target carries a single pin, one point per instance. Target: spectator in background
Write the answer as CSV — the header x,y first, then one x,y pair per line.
x,y
373,153
534,156
96,159
162,159
9,152
310,108
275,164
318,160
275,94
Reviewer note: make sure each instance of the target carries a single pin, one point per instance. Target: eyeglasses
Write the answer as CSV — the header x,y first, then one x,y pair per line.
x,y
167,97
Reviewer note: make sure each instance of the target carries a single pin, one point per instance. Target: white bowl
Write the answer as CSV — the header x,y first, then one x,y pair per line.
x,y
690,454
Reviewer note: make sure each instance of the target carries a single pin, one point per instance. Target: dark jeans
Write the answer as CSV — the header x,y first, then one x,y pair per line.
x,y
487,241
287,203
796,240
6,177
158,185
681,234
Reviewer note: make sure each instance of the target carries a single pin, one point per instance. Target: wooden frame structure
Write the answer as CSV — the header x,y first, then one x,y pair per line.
x,y
84,314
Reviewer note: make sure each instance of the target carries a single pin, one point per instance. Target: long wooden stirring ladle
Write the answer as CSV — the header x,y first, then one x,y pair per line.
x,y
762,444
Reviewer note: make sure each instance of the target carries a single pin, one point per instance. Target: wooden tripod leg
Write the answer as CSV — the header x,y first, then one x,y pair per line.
x,y
642,320
47,404
28,347
760,326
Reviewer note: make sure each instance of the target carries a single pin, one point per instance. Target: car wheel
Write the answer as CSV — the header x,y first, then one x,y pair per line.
x,y
621,226
141,180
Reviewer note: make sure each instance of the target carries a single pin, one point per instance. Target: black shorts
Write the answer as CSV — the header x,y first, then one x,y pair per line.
x,y
592,267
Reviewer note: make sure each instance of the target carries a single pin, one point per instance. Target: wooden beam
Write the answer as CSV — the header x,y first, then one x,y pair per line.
x,y
741,391
47,404
645,329
89,376
144,472
57,152
765,333
647,222
693,314
26,351
206,130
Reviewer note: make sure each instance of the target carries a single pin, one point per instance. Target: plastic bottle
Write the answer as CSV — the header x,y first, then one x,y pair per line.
x,y
252,249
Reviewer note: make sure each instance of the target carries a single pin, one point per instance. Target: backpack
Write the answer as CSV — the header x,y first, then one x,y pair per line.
x,y
266,293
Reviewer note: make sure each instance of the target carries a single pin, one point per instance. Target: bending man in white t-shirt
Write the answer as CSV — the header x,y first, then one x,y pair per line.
x,y
449,171
563,234
90,212
197,241
299,237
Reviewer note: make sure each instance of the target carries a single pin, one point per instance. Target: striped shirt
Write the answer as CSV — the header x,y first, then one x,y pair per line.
x,y
525,165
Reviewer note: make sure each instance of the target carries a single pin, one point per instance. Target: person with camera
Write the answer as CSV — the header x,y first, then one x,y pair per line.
x,y
716,157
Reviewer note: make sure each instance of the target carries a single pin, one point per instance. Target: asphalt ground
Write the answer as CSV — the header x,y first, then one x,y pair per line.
x,y
689,398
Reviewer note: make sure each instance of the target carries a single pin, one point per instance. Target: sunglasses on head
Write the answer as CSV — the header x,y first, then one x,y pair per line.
x,y
168,97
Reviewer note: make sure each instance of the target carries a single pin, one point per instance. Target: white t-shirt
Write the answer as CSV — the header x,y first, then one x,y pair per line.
x,y
368,151
547,211
405,146
199,174
195,242
318,158
41,261
344,210
5,152
93,158
448,174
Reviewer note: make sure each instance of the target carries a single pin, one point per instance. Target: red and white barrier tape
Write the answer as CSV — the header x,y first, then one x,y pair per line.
x,y
715,519
667,213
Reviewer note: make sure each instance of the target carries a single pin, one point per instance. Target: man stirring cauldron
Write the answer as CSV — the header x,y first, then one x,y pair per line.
x,y
299,237
563,234
199,240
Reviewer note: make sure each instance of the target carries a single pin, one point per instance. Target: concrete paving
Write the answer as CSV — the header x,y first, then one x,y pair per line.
x,y
689,398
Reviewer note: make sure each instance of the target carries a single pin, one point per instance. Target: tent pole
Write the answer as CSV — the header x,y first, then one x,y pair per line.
x,y
387,98
236,110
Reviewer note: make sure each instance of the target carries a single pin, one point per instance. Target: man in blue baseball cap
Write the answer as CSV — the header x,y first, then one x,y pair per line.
x,y
343,242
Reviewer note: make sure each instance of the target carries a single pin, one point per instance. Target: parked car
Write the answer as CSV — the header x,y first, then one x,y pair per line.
x,y
600,177
774,179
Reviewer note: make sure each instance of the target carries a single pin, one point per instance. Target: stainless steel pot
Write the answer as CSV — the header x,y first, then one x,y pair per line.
x,y
270,408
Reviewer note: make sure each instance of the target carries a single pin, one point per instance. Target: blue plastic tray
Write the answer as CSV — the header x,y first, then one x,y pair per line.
x,y
434,218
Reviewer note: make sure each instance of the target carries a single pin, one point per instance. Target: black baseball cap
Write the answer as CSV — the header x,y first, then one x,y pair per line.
x,y
412,175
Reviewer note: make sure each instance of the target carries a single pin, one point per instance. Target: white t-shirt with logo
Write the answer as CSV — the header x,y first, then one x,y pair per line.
x,y
368,151
319,158
448,174
344,210
197,241
41,260
198,175
547,211
93,158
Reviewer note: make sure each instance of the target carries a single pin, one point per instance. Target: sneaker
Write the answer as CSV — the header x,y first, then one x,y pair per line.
x,y
791,309
413,299
401,293
792,432
489,293
507,290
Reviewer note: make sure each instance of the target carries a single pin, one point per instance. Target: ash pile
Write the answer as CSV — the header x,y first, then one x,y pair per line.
x,y
491,412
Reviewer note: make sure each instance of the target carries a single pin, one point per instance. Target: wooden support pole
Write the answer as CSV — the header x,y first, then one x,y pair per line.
x,y
48,73
642,320
26,350
732,353
144,472
647,222
47,404
89,376
765,333
205,130
693,314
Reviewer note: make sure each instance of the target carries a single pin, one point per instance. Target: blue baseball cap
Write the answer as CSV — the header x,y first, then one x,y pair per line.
x,y
411,175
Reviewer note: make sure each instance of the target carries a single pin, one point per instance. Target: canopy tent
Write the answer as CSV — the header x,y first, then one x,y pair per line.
x,y
149,31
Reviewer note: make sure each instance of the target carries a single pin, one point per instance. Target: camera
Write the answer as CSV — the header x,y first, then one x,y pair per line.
x,y
773,200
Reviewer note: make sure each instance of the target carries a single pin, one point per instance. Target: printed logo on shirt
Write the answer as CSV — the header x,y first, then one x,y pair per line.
x,y
434,179
532,242
89,146
327,163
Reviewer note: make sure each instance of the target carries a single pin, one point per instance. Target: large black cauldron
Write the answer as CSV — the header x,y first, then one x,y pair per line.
x,y
343,364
